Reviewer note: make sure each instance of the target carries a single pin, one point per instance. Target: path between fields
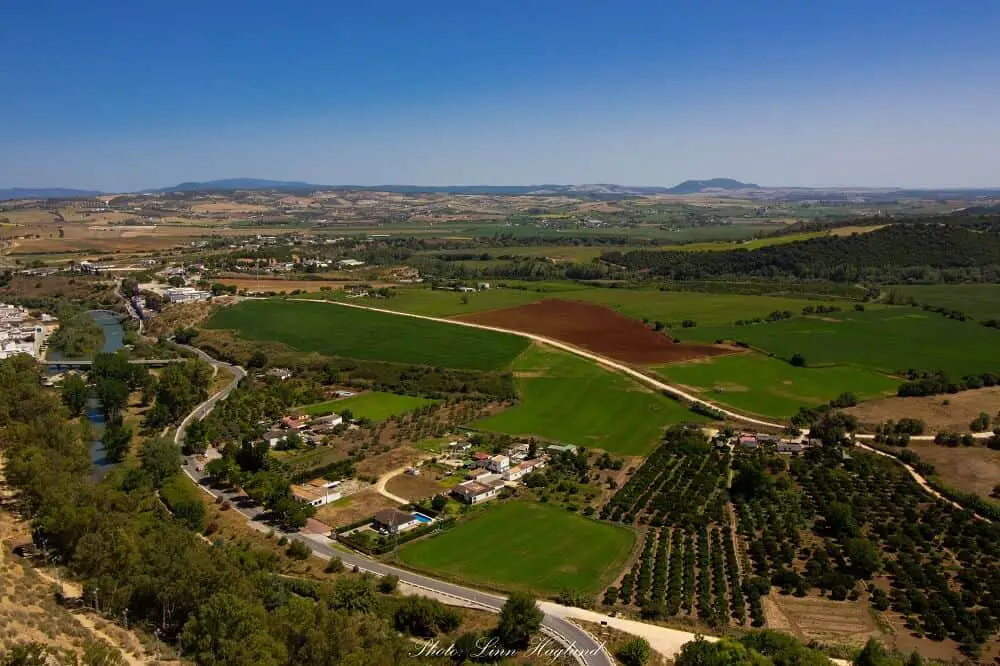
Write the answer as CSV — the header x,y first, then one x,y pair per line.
x,y
654,383
384,479
557,617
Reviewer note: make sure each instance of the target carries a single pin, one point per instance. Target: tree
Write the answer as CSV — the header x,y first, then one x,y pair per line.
x,y
355,595
873,654
117,440
113,395
724,652
845,399
257,360
839,520
388,584
980,423
439,503
185,336
196,437
864,556
99,653
161,459
74,393
634,652
519,619
26,654
798,360
466,647
230,631
222,471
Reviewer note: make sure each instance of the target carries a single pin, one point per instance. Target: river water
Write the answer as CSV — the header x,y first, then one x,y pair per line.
x,y
114,337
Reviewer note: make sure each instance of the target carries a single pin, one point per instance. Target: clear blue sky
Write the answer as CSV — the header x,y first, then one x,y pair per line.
x,y
127,95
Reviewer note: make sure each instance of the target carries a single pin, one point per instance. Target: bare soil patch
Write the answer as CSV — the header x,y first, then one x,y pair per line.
x,y
974,469
353,508
961,409
415,488
386,462
596,328
814,618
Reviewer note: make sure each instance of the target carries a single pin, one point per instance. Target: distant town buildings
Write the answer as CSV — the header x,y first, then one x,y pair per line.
x,y
20,333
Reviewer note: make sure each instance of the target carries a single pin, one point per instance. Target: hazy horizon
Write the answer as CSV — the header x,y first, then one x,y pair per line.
x,y
125,98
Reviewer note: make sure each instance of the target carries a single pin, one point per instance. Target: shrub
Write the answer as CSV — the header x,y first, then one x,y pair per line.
x,y
298,550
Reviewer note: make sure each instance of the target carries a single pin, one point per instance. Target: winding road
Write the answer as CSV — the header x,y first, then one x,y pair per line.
x,y
556,623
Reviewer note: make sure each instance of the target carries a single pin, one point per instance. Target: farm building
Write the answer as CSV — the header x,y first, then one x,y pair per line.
x,y
526,467
272,437
186,295
474,492
315,492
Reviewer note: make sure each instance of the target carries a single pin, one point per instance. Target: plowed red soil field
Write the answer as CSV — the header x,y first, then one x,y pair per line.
x,y
596,328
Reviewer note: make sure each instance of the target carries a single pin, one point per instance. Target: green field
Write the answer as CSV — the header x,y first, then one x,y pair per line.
x,y
886,340
771,387
510,546
569,399
666,306
341,331
375,405
981,301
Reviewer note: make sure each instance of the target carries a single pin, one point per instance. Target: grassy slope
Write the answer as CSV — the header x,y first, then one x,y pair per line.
x,y
340,331
376,405
888,340
981,301
569,399
510,546
771,387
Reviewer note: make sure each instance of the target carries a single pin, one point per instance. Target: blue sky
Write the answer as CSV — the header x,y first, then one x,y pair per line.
x,y
118,96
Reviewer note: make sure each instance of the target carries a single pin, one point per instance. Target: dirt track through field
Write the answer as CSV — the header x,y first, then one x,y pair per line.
x,y
594,327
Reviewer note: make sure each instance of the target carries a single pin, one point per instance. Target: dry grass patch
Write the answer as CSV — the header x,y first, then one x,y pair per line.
x,y
949,412
813,618
353,508
973,469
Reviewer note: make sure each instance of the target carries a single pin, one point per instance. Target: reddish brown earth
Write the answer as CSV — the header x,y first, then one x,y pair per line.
x,y
596,328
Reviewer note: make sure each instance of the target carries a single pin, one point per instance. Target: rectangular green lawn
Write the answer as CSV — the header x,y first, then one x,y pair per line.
x,y
569,399
337,330
519,545
772,387
981,301
374,405
887,340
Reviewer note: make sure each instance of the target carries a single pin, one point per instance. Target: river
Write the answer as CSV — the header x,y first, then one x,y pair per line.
x,y
114,337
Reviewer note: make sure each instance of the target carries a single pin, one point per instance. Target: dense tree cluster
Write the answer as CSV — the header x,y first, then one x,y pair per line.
x,y
896,253
223,605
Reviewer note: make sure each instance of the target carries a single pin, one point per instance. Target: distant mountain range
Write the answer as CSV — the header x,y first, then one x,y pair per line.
x,y
229,184
721,186
45,193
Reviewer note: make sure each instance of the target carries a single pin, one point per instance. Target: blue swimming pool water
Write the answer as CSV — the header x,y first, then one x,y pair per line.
x,y
422,518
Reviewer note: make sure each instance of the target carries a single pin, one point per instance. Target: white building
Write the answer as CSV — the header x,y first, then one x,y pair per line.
x,y
349,263
498,464
186,295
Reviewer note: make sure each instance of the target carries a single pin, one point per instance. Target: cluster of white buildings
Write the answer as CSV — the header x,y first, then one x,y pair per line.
x,y
20,333
490,474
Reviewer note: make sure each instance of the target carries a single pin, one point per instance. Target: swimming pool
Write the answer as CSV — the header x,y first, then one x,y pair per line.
x,y
419,517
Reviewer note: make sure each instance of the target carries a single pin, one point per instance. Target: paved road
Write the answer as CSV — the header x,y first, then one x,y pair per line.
x,y
587,649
